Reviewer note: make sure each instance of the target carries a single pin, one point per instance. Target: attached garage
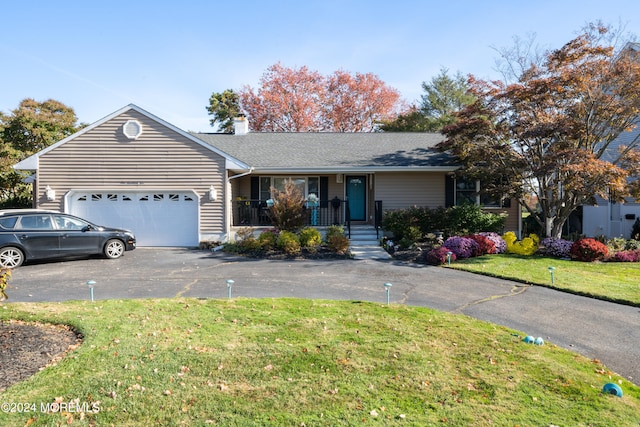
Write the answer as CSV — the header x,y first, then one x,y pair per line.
x,y
135,171
157,218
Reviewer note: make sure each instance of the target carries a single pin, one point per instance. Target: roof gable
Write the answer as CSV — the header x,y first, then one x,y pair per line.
x,y
31,163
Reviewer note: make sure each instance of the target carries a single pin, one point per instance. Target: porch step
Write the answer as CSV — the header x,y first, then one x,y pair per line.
x,y
364,243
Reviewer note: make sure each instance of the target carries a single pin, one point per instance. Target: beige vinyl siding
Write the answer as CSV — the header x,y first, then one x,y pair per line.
x,y
160,159
335,188
511,223
398,190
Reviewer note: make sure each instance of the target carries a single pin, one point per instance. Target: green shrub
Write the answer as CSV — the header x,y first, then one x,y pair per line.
x,y
469,219
399,221
268,239
288,242
310,237
616,244
632,245
250,245
413,223
334,230
635,231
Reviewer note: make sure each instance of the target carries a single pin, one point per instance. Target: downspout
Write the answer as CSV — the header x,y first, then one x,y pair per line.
x,y
240,175
229,203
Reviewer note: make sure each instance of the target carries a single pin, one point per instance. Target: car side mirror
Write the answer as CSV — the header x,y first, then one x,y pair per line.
x,y
87,228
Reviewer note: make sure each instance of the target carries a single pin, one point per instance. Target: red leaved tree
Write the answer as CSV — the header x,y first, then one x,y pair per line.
x,y
553,132
303,100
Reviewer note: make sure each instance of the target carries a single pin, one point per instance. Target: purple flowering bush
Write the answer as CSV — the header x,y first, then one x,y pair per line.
x,y
462,247
626,256
498,241
559,248
438,256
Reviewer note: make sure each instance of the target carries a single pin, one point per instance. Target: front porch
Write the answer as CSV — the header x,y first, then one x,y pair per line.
x,y
324,213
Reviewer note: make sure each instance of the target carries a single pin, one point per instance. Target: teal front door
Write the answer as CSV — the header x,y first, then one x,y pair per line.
x,y
357,197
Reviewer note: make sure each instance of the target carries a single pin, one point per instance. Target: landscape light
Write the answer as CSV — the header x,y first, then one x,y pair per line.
x,y
387,287
91,284
229,286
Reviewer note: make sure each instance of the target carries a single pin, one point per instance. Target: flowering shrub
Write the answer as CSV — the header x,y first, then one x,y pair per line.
x,y
438,256
485,246
462,247
527,246
626,256
632,245
589,250
559,248
497,240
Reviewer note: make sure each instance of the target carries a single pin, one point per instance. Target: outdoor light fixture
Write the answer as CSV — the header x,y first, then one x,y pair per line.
x,y
213,194
91,284
551,270
387,287
50,193
229,286
449,257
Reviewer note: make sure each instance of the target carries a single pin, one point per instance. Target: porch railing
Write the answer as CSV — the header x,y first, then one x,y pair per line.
x,y
252,213
378,217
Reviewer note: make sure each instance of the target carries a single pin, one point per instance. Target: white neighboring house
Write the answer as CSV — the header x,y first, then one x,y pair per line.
x,y
613,219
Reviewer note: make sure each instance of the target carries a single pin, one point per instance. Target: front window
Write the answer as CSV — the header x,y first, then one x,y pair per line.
x,y
469,192
306,185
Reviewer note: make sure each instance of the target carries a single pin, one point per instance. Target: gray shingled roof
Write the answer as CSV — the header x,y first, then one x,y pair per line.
x,y
333,151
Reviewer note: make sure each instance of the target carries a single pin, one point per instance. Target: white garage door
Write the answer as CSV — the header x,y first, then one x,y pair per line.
x,y
157,219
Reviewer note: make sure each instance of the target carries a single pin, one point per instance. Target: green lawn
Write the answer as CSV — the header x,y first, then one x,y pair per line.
x,y
244,362
613,281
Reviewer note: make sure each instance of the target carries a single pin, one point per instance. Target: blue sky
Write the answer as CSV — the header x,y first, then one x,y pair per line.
x,y
169,56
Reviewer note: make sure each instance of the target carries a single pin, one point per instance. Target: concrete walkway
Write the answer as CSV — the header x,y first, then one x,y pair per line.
x,y
597,329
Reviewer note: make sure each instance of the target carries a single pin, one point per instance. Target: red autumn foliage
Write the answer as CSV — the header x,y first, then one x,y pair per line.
x,y
485,246
589,250
303,100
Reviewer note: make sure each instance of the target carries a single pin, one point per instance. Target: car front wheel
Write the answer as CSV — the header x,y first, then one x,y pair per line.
x,y
11,257
114,248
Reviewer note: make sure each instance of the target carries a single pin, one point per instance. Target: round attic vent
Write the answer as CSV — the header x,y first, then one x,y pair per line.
x,y
132,129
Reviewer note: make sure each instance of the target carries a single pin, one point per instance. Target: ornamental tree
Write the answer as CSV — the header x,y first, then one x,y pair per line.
x,y
303,100
552,132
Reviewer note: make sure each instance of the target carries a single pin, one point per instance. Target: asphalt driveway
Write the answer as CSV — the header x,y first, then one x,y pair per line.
x,y
597,329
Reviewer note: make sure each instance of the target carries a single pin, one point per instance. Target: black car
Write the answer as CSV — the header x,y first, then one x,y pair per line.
x,y
27,234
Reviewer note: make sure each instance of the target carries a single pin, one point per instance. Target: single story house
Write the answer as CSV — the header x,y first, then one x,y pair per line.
x,y
133,170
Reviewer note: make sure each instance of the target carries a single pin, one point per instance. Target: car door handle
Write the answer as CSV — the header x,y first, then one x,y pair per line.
x,y
23,236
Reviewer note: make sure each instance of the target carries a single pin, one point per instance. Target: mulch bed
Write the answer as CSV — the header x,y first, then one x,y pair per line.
x,y
26,348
